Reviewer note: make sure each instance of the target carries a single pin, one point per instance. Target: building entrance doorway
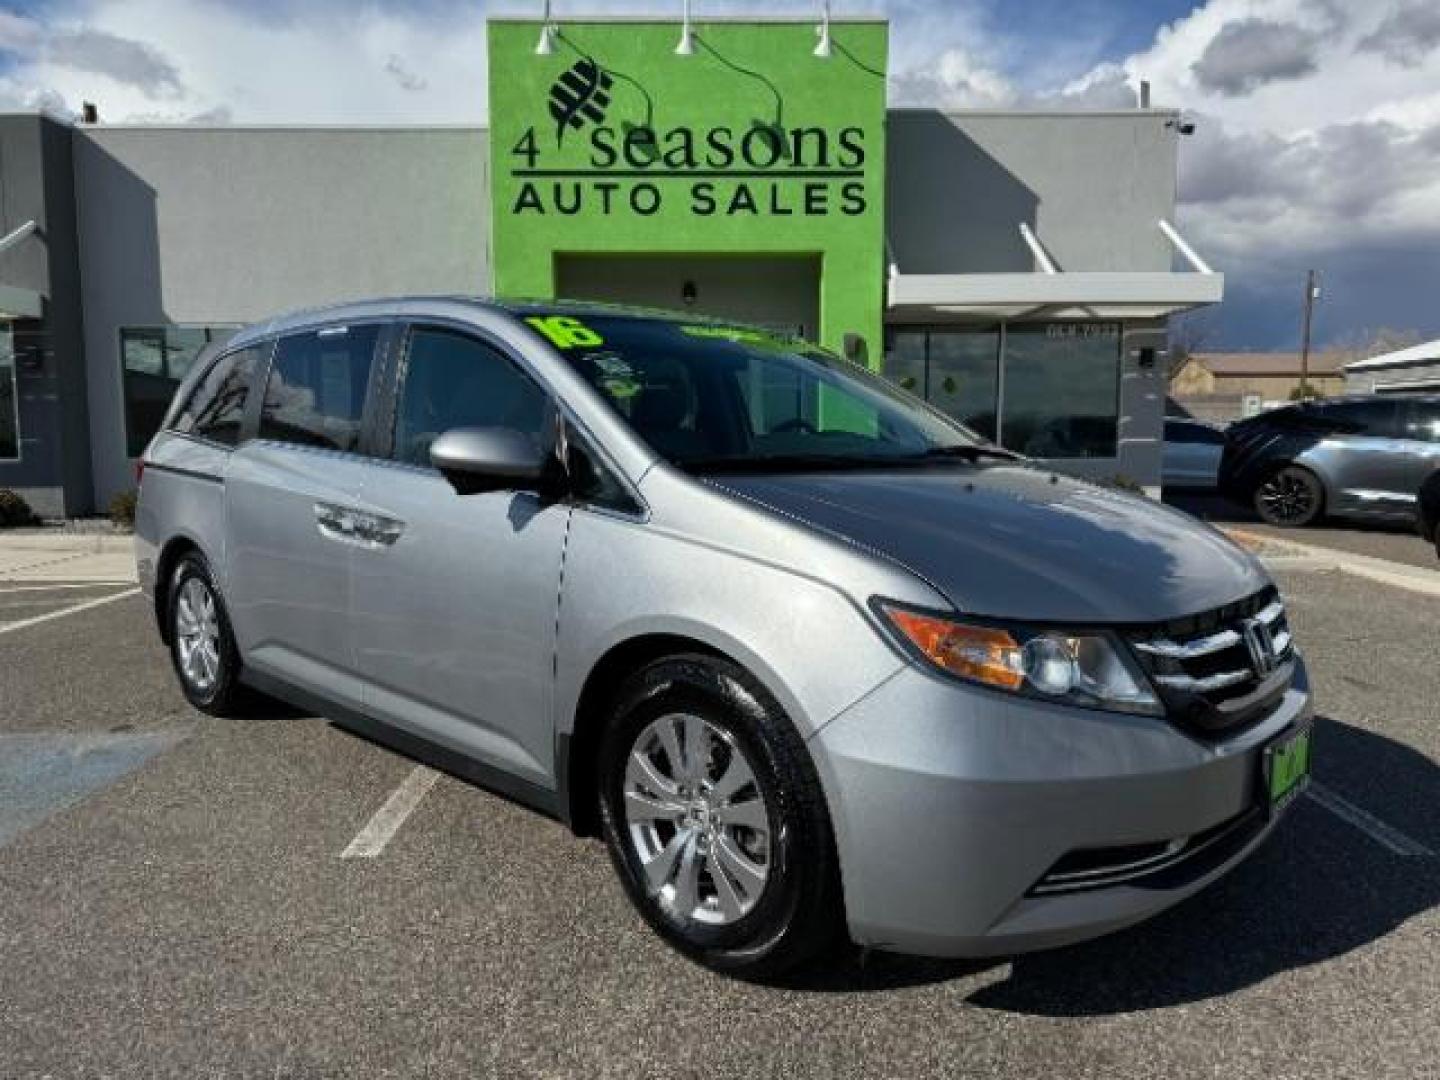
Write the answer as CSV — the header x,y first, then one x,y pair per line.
x,y
781,293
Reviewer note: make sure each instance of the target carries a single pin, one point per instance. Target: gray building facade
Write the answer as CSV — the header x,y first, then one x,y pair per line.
x,y
44,423
1405,371
1029,273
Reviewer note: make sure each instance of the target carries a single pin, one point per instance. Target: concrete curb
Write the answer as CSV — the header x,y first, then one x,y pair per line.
x,y
1287,554
36,555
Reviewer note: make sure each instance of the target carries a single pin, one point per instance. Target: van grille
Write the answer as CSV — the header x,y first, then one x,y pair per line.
x,y
1222,670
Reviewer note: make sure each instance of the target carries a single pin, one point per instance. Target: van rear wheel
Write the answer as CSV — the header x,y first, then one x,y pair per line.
x,y
202,646
1291,498
715,820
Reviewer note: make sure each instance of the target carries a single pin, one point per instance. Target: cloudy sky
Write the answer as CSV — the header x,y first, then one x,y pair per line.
x,y
1317,136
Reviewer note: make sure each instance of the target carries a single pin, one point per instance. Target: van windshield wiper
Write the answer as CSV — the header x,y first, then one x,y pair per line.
x,y
968,452
802,462
794,462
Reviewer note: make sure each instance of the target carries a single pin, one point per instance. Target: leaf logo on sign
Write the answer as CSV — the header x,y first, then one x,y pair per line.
x,y
581,94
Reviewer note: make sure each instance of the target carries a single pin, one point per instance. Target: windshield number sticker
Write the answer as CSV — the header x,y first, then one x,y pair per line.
x,y
565,332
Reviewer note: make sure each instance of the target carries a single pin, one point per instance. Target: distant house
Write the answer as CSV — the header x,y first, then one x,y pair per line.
x,y
1413,369
1215,385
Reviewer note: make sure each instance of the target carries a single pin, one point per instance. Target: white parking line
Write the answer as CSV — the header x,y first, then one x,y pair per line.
x,y
378,831
6,605
1383,834
7,587
25,624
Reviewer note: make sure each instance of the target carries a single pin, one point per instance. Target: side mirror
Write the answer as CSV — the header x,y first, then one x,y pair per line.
x,y
476,460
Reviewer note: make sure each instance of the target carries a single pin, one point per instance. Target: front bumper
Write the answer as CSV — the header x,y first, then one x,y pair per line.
x,y
951,804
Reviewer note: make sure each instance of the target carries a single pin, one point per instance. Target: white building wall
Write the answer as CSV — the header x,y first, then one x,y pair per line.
x,y
1092,186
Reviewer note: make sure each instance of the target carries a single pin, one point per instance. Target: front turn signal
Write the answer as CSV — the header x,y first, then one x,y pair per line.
x,y
985,654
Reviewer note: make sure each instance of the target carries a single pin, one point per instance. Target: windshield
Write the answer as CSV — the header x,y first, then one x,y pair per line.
x,y
714,397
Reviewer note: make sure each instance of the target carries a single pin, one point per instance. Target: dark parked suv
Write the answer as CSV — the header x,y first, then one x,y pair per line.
x,y
1354,457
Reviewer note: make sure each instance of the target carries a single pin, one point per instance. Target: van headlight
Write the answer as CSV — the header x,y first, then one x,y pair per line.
x,y
1086,668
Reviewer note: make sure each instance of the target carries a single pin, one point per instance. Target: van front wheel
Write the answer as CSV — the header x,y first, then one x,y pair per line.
x,y
715,819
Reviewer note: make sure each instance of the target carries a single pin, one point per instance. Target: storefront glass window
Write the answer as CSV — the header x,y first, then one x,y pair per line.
x,y
905,360
154,361
9,398
1061,388
963,379
955,370
1062,383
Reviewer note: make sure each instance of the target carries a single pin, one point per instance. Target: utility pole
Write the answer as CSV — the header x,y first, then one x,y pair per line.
x,y
1312,293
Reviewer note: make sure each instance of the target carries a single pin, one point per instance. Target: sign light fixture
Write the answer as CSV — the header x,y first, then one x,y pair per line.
x,y
546,45
686,47
823,48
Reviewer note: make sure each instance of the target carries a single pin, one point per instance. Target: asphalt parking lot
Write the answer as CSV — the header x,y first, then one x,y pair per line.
x,y
174,901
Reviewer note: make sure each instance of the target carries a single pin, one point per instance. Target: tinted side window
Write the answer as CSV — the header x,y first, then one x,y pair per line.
x,y
216,409
154,361
1193,434
316,392
592,482
1424,421
454,381
1376,417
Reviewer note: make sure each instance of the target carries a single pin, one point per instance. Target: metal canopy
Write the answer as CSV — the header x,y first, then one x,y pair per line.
x,y
1068,296
1052,293
20,304
15,302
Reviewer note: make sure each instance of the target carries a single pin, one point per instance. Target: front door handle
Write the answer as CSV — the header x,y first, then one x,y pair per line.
x,y
335,522
350,526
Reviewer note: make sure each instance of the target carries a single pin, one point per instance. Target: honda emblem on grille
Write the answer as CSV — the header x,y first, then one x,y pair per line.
x,y
1261,644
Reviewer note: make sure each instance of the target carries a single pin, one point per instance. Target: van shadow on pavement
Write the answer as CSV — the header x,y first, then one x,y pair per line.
x,y
1318,888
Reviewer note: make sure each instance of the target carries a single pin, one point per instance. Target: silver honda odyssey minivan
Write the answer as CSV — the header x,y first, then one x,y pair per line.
x,y
811,657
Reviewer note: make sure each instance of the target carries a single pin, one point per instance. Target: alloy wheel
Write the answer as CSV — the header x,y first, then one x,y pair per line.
x,y
697,819
197,635
1287,498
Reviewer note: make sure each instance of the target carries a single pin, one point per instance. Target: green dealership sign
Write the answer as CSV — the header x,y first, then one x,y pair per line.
x,y
749,146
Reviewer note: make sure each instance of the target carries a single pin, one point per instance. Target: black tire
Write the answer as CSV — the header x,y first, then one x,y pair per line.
x,y
1428,519
798,911
1292,498
223,694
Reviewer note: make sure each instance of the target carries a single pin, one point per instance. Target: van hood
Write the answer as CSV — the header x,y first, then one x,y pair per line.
x,y
1014,541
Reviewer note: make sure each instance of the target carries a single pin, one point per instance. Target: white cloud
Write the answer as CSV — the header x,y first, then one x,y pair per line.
x,y
404,78
1248,53
124,60
956,78
1106,86
1337,147
1407,34
324,63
